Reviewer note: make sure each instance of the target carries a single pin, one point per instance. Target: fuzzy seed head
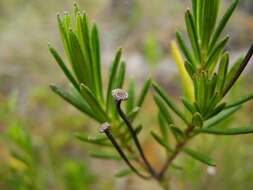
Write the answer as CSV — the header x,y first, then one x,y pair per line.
x,y
119,94
105,126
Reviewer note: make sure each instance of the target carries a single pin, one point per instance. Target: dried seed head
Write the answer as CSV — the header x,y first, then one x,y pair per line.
x,y
105,126
119,94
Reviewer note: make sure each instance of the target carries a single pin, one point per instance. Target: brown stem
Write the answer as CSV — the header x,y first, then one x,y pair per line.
x,y
177,150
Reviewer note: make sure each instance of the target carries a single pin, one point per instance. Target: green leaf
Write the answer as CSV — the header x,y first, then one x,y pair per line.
x,y
105,156
188,105
184,47
199,156
63,67
67,21
110,104
220,117
86,44
209,13
223,23
201,91
131,115
97,63
82,106
239,71
197,120
228,131
211,104
163,109
231,74
169,102
192,32
222,72
160,141
144,92
176,167
217,110
123,173
215,53
213,84
63,28
194,9
242,100
97,141
190,68
177,133
131,96
121,75
93,102
163,127
80,68
76,9
137,131
142,96
119,82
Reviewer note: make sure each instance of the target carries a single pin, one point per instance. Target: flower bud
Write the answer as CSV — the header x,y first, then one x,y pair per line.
x,y
105,126
119,94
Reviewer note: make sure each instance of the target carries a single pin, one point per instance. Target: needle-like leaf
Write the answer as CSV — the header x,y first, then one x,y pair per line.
x,y
160,141
109,99
63,66
220,117
105,156
169,102
97,141
227,131
240,101
82,106
131,96
199,156
222,24
214,55
93,102
123,173
144,92
192,32
184,48
121,75
163,109
96,59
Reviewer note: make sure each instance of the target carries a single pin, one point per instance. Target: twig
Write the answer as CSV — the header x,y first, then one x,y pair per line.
x,y
177,150
119,96
106,129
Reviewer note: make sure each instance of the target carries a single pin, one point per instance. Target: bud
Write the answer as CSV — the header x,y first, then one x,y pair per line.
x,y
197,120
105,126
119,94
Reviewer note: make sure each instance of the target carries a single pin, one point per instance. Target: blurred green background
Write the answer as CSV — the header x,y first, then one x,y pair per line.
x,y
38,149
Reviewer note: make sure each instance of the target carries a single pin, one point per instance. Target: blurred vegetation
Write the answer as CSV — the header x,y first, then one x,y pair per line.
x,y
37,129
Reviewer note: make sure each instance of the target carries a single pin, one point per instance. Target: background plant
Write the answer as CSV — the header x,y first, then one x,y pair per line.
x,y
207,69
29,162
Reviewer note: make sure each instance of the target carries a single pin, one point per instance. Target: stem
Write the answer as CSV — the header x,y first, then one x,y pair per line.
x,y
135,138
177,150
122,154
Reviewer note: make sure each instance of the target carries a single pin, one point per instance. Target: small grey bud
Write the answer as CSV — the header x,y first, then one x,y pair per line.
x,y
119,94
105,126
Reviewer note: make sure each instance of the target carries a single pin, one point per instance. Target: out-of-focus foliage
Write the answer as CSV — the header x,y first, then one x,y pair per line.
x,y
35,162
